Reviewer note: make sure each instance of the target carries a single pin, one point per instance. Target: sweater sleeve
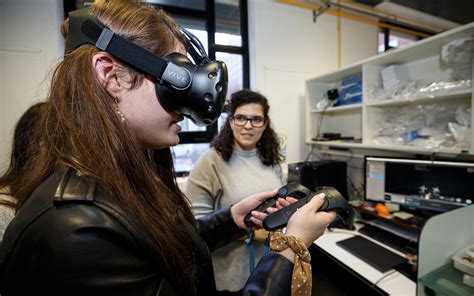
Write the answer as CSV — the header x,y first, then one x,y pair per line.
x,y
203,187
6,215
281,173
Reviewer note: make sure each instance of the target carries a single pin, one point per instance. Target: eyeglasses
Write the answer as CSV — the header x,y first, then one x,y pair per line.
x,y
241,120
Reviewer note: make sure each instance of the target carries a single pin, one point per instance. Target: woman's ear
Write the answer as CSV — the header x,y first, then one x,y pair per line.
x,y
106,72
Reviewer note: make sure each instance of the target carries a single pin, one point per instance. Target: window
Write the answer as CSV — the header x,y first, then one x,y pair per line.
x,y
390,38
221,26
393,39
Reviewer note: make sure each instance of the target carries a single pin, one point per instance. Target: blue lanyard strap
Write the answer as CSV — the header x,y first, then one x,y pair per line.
x,y
248,242
251,249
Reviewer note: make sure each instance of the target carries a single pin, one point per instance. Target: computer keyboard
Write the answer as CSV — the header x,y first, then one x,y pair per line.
x,y
371,253
398,243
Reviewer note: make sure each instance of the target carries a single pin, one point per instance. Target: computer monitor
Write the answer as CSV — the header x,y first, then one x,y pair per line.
x,y
422,184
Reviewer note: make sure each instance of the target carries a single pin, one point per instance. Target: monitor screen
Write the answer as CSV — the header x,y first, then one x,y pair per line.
x,y
423,184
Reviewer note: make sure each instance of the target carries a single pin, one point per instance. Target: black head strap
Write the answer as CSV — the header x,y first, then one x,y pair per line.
x,y
93,32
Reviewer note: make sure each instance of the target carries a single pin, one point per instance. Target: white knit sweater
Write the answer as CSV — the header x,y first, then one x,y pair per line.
x,y
6,214
215,184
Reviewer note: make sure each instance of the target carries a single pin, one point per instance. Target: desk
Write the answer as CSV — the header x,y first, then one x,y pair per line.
x,y
394,284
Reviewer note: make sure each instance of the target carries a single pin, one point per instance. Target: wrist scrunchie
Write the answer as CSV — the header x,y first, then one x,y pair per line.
x,y
301,280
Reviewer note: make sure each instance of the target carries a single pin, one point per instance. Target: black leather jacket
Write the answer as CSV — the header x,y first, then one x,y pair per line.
x,y
70,238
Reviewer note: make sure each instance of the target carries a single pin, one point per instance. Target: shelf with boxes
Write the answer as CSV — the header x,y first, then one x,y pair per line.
x,y
417,98
326,114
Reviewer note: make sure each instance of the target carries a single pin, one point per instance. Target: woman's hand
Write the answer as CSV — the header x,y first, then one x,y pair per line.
x,y
281,203
243,207
307,224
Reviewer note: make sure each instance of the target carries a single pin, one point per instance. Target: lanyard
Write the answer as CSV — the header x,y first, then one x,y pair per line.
x,y
248,242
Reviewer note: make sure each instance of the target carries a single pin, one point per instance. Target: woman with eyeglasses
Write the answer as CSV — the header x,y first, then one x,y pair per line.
x,y
244,159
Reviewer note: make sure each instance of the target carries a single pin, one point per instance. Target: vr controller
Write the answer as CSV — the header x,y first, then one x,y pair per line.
x,y
292,189
333,201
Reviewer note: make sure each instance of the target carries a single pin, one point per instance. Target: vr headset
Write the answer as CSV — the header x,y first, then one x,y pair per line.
x,y
195,90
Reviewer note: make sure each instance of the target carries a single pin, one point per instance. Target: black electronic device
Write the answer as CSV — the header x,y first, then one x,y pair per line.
x,y
432,185
377,256
333,201
314,174
332,136
390,239
333,94
196,90
292,189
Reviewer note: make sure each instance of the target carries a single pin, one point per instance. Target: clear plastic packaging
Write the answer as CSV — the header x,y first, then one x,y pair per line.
x,y
403,91
459,132
457,56
412,90
443,86
430,126
463,116
396,84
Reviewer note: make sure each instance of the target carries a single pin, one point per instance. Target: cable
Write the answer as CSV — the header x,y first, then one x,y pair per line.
x,y
382,277
312,153
327,152
339,230
359,193
321,120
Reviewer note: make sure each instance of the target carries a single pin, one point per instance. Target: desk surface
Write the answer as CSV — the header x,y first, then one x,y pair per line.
x,y
394,284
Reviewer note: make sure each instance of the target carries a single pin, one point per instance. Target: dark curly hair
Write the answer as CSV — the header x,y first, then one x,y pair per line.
x,y
268,146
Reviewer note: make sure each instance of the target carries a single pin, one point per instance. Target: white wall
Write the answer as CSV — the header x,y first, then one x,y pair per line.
x,y
286,48
29,44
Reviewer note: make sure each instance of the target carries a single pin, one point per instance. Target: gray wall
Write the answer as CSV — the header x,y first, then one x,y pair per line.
x,y
30,44
287,48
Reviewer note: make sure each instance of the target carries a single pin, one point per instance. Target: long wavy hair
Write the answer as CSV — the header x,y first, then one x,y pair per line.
x,y
25,147
268,146
80,121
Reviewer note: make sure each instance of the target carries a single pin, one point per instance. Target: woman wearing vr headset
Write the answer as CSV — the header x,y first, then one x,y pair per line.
x,y
97,215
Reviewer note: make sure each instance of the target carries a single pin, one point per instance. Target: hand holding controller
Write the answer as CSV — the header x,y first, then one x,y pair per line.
x,y
333,201
292,189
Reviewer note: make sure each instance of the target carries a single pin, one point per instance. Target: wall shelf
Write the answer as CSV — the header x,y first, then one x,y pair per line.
x,y
435,98
339,109
400,148
368,120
